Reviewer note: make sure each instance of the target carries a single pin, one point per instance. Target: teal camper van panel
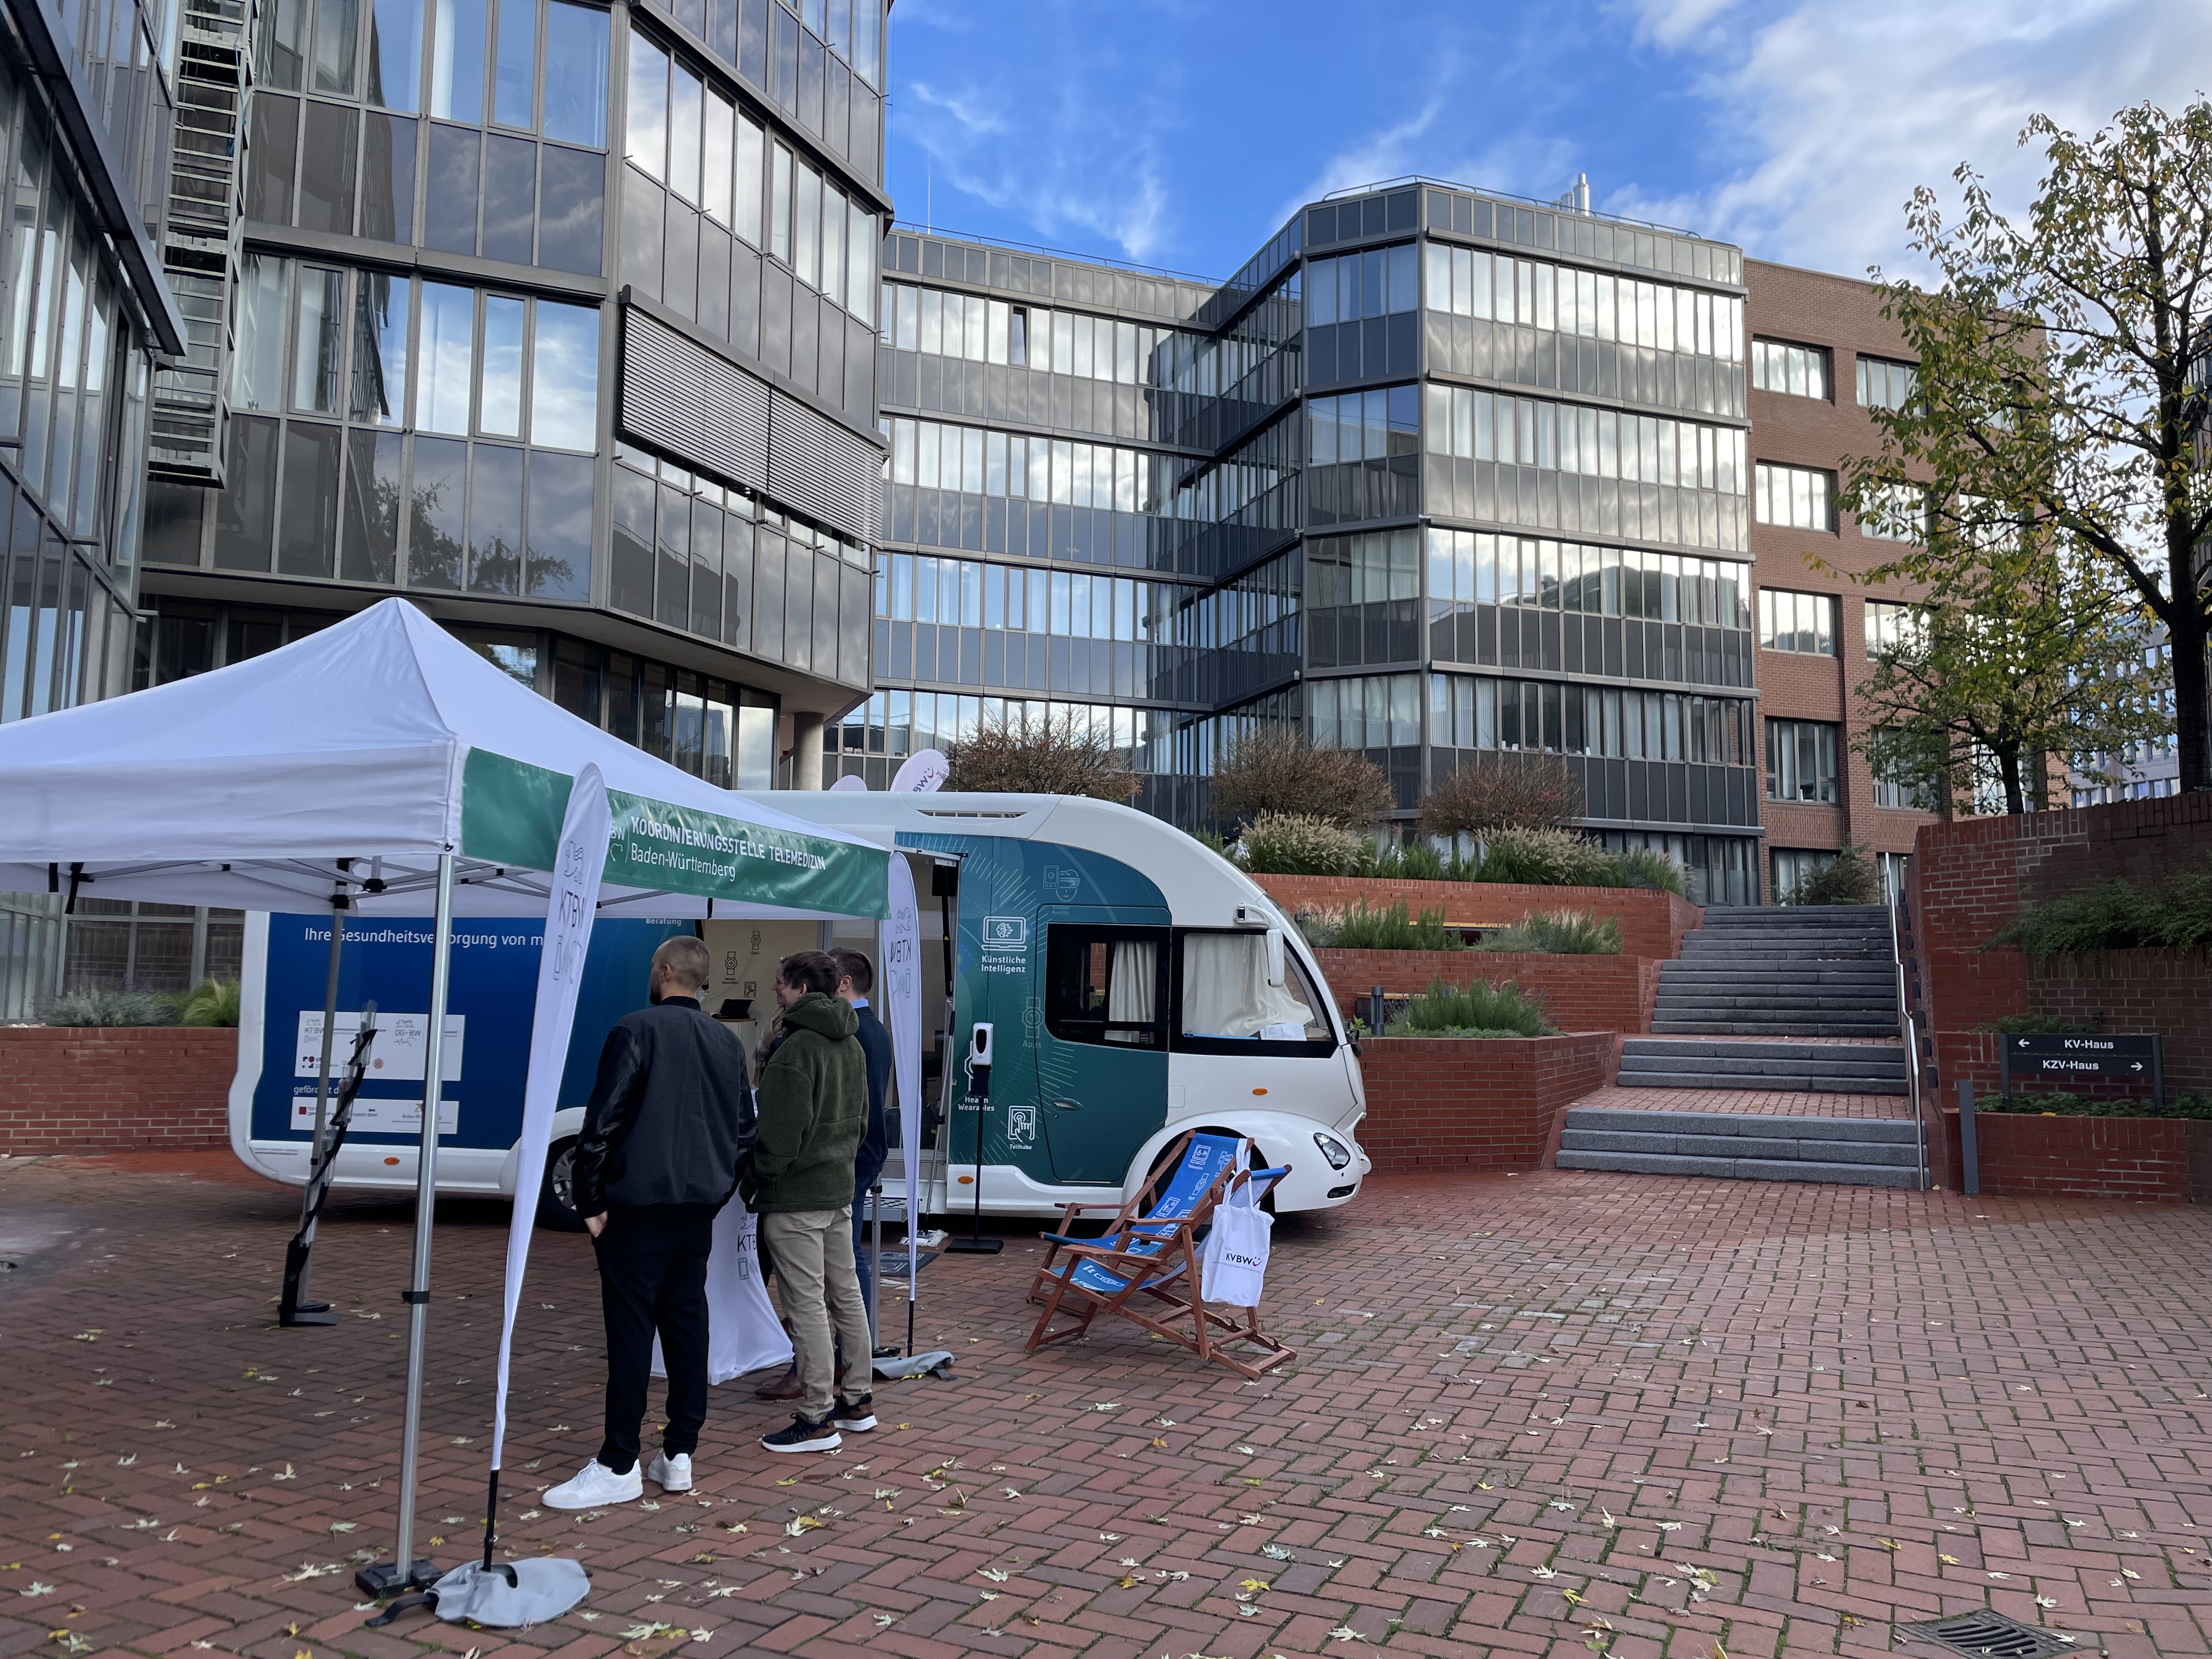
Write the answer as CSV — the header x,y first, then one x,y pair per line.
x,y
1052,949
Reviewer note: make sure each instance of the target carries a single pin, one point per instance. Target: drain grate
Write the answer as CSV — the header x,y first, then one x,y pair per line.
x,y
1991,1636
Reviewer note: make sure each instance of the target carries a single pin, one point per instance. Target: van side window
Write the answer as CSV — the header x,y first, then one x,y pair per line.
x,y
1105,985
1224,1003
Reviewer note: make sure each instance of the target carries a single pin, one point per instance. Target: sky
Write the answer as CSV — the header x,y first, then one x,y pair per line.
x,y
1181,134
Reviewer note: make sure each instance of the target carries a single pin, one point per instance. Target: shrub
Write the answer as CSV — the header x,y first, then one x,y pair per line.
x,y
109,1008
211,1002
1405,863
2039,1024
1510,791
2069,1105
1848,878
1040,757
1391,928
1547,858
2118,916
1478,1010
1293,844
1277,770
1559,933
1645,866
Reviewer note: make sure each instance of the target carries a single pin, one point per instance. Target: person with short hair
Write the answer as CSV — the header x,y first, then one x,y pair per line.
x,y
856,983
813,1111
669,1123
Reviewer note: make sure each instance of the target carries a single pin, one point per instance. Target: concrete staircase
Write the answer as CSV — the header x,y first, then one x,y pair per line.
x,y
1854,1152
1748,982
1756,970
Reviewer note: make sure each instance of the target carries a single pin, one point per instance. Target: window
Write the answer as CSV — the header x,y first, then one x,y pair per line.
x,y
1803,622
1798,496
1793,867
1796,371
1895,513
1890,787
1371,284
1365,425
1103,985
1889,626
1886,384
1801,761
1227,1003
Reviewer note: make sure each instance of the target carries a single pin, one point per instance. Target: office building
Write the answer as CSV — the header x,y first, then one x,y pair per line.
x,y
1822,357
1440,476
557,318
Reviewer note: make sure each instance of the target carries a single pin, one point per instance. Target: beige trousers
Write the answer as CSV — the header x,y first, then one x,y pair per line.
x,y
813,1255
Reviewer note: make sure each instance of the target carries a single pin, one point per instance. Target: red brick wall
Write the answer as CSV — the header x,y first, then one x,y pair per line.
x,y
114,1088
1843,314
1652,923
2147,1160
1971,876
1436,1103
1580,994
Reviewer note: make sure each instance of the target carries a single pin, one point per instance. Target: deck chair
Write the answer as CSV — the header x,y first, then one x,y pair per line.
x,y
1150,1250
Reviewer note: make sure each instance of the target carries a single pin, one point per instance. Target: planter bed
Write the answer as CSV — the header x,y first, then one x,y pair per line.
x,y
115,1088
2149,1160
1652,923
1444,1103
1579,993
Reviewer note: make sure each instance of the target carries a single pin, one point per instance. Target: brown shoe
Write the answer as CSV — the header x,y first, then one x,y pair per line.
x,y
784,1388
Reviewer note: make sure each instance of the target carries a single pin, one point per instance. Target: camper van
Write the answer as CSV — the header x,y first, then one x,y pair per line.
x,y
1136,984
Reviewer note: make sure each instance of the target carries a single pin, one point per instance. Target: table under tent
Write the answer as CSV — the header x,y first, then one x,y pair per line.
x,y
381,768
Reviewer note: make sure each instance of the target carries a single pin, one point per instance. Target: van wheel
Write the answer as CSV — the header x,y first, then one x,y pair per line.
x,y
557,1208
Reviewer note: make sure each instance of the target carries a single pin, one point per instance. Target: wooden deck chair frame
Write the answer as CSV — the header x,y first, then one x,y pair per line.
x,y
1184,1318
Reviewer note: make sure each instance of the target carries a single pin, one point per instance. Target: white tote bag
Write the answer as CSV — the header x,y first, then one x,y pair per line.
x,y
1233,1261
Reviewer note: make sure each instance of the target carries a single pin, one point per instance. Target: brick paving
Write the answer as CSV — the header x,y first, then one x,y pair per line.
x,y
1758,1103
1533,1415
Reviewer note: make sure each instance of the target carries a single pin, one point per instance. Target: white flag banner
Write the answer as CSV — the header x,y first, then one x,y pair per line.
x,y
743,1332
569,909
903,992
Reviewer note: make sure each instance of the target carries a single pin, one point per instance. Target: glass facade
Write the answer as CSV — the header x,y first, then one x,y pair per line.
x,y
559,318
1435,473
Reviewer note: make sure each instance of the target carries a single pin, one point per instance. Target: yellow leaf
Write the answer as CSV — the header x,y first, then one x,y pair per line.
x,y
1573,1599
1253,1585
1127,1583
1948,1560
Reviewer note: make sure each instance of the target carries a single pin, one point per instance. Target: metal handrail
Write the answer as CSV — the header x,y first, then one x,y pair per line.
x,y
1907,1027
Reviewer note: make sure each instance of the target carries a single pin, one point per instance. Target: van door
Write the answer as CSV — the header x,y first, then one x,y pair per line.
x,y
1102,1051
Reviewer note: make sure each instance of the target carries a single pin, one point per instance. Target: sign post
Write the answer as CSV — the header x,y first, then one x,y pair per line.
x,y
2086,1057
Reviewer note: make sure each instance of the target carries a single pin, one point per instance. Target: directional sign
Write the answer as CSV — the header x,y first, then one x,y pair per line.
x,y
2058,1058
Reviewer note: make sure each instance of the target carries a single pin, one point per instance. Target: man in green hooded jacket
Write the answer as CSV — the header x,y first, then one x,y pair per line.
x,y
813,1101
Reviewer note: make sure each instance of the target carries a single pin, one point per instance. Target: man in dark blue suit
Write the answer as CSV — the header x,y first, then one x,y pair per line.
x,y
858,981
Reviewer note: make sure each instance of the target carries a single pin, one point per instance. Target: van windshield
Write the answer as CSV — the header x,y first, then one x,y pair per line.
x,y
1225,1003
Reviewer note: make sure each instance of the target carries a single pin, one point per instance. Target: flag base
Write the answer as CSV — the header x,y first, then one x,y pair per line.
x,y
381,1578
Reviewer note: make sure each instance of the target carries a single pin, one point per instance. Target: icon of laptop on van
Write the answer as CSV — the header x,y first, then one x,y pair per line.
x,y
1005,933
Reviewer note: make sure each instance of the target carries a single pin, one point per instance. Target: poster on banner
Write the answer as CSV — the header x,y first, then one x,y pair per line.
x,y
401,1040
571,903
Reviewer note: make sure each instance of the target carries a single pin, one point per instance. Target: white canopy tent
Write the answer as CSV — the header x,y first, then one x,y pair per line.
x,y
380,766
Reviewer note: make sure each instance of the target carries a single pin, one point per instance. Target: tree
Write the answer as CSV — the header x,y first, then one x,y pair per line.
x,y
1506,791
1041,756
2062,378
1275,769
2018,655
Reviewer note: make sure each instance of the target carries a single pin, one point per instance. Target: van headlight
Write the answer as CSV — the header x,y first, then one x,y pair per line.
x,y
1333,1150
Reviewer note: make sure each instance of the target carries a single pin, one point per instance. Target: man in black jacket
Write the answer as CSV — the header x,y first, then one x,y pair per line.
x,y
856,983
670,1118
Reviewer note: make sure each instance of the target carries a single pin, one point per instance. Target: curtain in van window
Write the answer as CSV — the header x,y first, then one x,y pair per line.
x,y
1130,990
1225,991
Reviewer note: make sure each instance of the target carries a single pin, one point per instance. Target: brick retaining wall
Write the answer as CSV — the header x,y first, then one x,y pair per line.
x,y
1652,923
1444,1103
2148,1160
1580,992
115,1088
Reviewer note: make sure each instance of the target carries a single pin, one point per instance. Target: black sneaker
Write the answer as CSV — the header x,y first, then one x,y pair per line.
x,y
856,1416
805,1437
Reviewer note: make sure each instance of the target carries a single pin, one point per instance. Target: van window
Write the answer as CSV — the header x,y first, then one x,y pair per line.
x,y
1104,985
1224,1005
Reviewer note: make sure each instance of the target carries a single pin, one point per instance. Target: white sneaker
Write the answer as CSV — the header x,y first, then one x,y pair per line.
x,y
596,1486
671,1473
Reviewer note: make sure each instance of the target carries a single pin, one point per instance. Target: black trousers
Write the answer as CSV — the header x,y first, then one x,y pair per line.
x,y
652,1277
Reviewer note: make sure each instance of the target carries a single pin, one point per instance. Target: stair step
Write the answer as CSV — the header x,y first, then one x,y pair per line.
x,y
1797,1084
1742,1169
1629,1120
1769,1148
1784,1065
1666,1026
1873,1051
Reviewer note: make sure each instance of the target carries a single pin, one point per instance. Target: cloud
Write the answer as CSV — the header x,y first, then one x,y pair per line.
x,y
1825,118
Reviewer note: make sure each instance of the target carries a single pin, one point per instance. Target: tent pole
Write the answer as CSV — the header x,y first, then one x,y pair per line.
x,y
403,1571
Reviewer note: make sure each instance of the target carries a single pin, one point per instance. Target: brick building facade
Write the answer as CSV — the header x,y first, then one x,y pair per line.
x,y
1809,333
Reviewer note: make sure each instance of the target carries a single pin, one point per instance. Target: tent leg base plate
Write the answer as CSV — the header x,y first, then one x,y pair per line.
x,y
308,1313
976,1246
381,1578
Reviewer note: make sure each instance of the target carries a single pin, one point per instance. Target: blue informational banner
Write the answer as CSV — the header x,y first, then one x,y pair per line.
x,y
387,960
